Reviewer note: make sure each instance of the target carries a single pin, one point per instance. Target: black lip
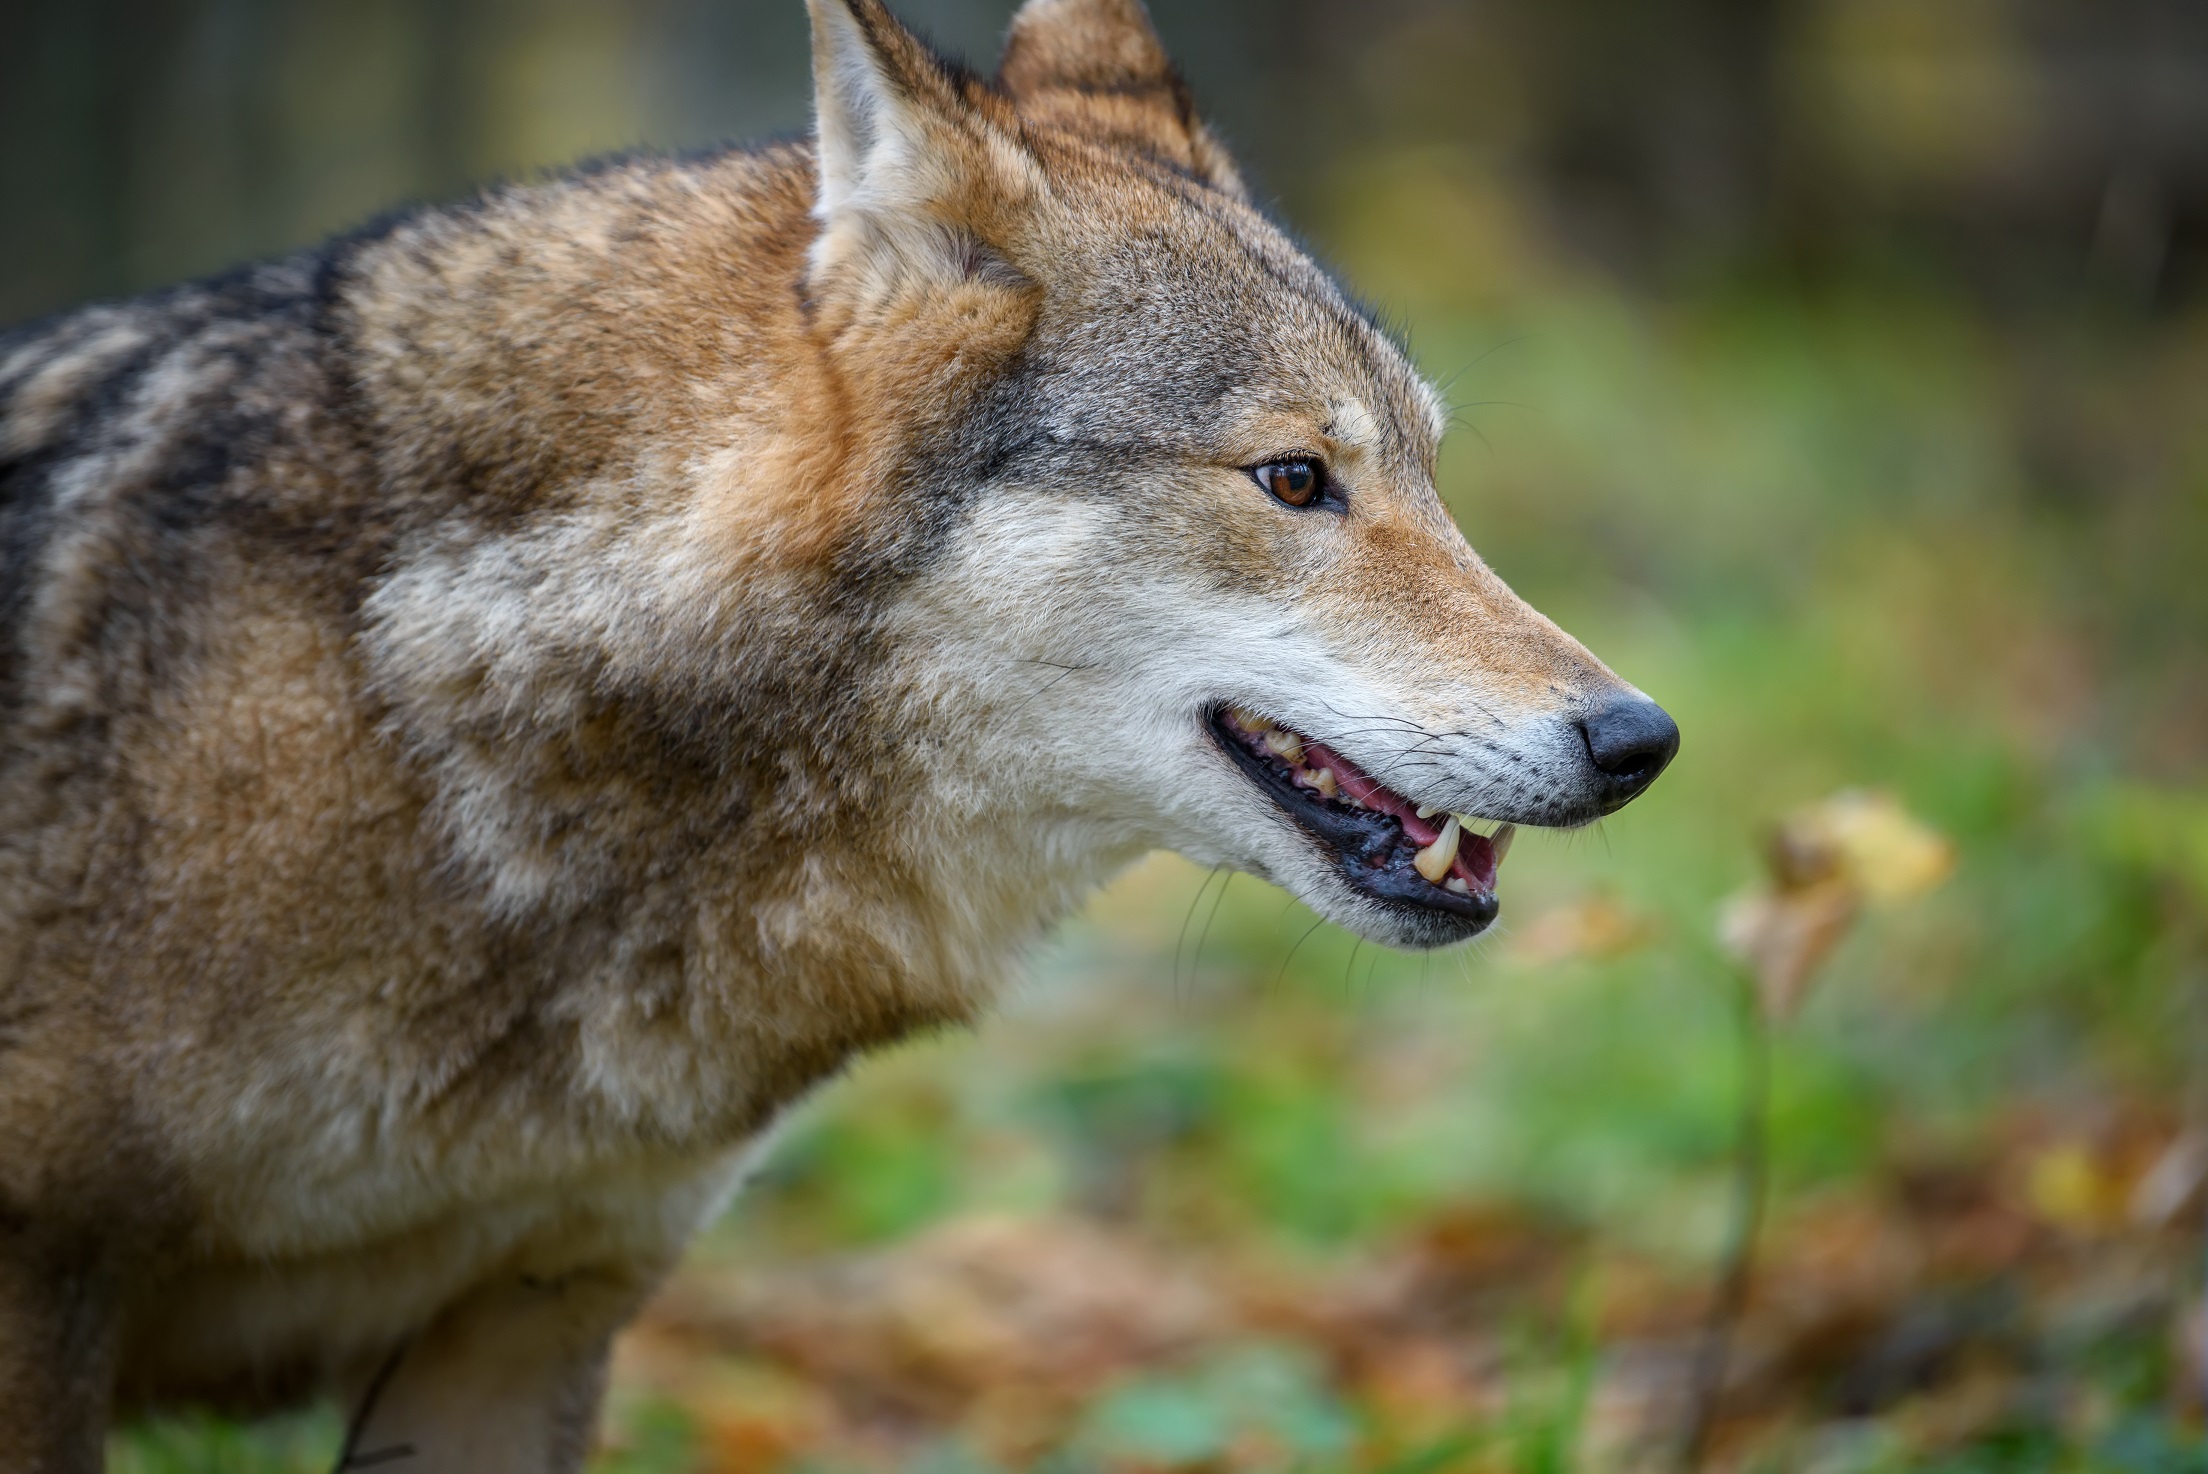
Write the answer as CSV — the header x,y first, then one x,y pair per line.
x,y
1372,850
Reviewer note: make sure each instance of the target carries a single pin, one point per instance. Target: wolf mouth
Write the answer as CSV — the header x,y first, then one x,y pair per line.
x,y
1390,849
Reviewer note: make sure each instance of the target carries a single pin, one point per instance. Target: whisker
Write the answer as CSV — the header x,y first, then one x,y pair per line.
x,y
1064,673
1450,381
1282,975
1195,963
1182,940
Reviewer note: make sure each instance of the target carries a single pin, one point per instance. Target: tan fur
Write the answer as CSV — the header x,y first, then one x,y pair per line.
x,y
497,709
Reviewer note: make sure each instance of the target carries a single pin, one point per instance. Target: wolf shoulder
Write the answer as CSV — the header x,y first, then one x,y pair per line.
x,y
147,449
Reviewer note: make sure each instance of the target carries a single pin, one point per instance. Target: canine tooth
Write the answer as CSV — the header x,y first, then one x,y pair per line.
x,y
1285,744
1457,884
1502,839
1324,781
1434,861
1427,811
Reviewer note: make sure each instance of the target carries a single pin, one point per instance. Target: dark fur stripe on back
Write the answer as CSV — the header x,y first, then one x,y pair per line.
x,y
76,390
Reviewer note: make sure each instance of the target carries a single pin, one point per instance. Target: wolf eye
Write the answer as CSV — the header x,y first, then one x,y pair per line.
x,y
1295,481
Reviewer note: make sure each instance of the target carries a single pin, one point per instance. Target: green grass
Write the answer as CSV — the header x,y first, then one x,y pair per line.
x,y
304,1444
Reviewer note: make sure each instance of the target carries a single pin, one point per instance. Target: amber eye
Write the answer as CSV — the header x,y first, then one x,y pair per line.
x,y
1296,482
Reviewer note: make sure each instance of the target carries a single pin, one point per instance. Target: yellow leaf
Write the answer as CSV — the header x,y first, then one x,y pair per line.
x,y
1826,861
2070,1189
1866,840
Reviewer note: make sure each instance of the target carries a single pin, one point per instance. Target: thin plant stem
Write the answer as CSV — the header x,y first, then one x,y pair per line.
x,y
1751,1181
351,1456
2197,1109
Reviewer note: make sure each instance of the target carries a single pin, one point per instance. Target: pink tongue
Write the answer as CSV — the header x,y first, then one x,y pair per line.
x,y
1475,863
1370,793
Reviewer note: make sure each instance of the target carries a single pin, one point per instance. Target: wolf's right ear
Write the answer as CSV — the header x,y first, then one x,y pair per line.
x,y
908,182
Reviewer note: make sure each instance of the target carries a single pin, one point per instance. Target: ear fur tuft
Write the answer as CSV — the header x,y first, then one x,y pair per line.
x,y
908,175
1097,67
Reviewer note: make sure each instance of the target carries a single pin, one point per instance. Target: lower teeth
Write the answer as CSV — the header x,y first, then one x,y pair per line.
x,y
1285,744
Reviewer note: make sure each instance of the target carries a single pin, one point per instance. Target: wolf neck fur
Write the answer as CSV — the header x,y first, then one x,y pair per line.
x,y
626,614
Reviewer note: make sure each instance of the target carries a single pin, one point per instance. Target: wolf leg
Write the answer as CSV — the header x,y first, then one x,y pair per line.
x,y
57,1338
506,1381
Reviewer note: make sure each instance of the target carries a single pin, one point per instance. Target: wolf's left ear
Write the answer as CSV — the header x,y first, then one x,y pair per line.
x,y
1097,67
908,179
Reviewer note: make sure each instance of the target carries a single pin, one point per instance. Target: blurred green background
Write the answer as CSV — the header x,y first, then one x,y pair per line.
x,y
1838,369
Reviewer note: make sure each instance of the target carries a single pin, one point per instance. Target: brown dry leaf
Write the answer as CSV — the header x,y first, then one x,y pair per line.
x,y
2174,1183
2105,1167
1590,928
754,1421
1419,1386
1826,862
2192,1337
1785,936
962,1312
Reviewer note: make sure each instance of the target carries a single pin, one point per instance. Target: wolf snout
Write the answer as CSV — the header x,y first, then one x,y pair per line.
x,y
1630,740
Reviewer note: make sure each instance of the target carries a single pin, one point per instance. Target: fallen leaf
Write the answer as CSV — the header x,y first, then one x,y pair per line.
x,y
1590,928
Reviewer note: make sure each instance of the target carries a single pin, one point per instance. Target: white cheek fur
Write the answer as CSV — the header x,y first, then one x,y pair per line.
x,y
1082,676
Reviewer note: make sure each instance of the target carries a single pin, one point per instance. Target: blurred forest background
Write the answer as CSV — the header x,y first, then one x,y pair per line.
x,y
1839,370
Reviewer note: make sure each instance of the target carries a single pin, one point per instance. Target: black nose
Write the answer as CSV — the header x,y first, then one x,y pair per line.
x,y
1631,741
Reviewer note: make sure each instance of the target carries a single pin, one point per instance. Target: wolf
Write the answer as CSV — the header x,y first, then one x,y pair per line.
x,y
496,708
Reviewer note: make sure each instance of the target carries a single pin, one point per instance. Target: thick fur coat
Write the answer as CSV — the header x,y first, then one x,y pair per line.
x,y
494,709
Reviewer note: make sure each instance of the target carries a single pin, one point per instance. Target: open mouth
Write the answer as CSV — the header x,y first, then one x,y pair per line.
x,y
1391,849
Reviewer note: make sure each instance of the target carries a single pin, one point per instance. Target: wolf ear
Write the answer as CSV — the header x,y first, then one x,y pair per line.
x,y
871,80
903,170
1097,67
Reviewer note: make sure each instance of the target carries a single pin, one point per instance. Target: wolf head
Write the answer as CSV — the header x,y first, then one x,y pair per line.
x,y
1195,587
